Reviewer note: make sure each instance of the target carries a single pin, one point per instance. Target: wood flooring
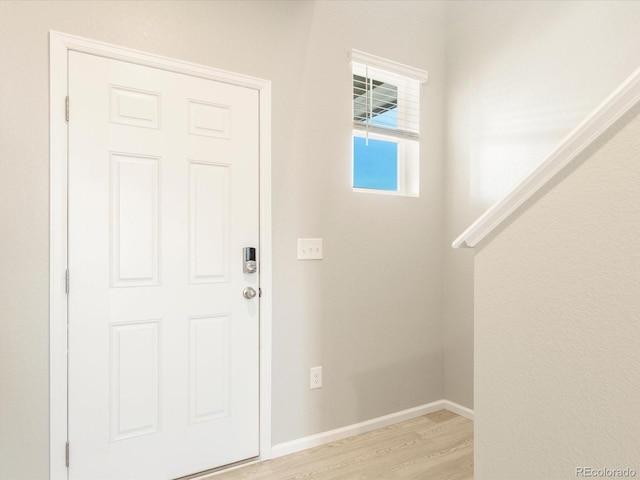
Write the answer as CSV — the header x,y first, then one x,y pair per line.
x,y
437,446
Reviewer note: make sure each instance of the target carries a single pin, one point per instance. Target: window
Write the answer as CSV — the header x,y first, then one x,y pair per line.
x,y
386,125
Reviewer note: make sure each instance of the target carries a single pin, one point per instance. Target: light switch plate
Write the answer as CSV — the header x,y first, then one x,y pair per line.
x,y
309,249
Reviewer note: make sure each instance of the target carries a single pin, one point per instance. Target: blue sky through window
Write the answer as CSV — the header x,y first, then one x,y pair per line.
x,y
388,119
375,165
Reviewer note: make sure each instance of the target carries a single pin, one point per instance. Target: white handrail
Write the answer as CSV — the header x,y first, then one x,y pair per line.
x,y
616,105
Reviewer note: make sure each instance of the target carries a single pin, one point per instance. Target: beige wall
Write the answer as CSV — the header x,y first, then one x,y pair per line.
x,y
370,313
520,76
557,323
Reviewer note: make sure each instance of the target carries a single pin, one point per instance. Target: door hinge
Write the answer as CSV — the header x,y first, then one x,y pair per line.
x,y
259,293
66,454
66,108
66,281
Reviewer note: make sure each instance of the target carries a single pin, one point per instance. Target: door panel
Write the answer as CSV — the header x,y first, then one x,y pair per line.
x,y
134,220
163,196
209,219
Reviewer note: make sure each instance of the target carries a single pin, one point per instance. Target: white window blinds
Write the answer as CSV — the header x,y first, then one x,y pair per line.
x,y
386,96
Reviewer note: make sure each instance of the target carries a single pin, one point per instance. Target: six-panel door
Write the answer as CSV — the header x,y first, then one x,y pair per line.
x,y
163,347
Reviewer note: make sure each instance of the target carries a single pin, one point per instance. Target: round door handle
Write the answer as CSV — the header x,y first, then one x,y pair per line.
x,y
248,293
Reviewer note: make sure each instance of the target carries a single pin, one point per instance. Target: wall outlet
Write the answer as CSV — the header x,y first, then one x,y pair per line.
x,y
316,378
309,249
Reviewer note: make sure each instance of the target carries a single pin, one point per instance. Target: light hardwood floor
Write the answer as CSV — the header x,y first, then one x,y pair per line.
x,y
436,446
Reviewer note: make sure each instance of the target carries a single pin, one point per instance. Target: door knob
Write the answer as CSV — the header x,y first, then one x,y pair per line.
x,y
248,293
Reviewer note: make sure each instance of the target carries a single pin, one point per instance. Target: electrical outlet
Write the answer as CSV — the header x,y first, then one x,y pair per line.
x,y
316,378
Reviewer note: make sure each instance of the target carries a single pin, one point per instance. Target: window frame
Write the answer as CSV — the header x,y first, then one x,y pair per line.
x,y
405,135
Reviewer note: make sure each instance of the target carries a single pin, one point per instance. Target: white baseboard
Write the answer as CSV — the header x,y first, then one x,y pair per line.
x,y
311,441
459,409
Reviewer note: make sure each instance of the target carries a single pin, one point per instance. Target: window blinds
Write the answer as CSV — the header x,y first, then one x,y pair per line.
x,y
386,96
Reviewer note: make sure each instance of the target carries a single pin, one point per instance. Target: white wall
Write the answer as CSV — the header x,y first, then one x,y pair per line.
x,y
520,76
370,313
557,323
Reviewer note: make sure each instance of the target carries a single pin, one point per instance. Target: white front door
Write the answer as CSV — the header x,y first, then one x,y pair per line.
x,y
163,346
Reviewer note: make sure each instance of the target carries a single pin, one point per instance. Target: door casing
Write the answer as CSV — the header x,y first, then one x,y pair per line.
x,y
59,46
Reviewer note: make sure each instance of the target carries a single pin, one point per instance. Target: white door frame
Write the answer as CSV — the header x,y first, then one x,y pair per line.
x,y
59,46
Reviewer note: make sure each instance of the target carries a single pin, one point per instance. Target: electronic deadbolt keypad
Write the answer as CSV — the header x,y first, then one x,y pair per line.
x,y
249,264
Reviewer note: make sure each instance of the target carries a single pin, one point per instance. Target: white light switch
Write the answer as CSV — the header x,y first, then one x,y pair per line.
x,y
309,249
